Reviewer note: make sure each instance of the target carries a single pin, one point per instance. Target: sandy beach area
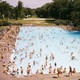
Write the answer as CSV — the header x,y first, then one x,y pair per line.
x,y
7,44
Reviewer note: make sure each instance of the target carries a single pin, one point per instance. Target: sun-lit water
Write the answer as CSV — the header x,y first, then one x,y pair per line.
x,y
61,43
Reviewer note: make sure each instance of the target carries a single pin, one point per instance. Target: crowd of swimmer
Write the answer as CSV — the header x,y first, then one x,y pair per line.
x,y
12,70
58,71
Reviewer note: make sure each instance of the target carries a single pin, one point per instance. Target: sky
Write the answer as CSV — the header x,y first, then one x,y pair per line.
x,y
29,3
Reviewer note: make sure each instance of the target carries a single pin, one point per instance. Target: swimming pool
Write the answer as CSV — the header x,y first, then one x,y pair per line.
x,y
35,43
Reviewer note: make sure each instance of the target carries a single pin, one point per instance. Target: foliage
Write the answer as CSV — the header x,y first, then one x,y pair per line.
x,y
65,10
4,23
9,12
61,9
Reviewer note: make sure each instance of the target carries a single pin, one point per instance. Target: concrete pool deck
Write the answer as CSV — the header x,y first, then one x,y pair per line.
x,y
6,59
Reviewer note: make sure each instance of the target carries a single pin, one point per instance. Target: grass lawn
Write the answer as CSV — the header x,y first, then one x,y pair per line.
x,y
29,21
34,21
38,22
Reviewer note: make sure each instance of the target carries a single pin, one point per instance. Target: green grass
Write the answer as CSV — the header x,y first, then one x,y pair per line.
x,y
34,22
37,22
28,22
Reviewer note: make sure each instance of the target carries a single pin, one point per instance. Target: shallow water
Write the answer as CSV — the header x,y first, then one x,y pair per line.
x,y
61,43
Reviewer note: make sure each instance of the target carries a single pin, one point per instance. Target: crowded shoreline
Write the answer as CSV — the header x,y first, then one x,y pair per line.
x,y
11,42
7,43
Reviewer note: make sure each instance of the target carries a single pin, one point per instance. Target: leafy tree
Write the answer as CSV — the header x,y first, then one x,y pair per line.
x,y
59,9
20,9
5,10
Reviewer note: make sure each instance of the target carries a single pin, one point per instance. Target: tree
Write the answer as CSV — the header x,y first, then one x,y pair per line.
x,y
5,10
20,10
44,11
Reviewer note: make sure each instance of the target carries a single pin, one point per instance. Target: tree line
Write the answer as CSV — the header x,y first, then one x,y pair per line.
x,y
58,9
7,11
61,9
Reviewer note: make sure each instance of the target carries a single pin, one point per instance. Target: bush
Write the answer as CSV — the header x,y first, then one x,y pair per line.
x,y
63,22
4,23
18,24
76,24
57,22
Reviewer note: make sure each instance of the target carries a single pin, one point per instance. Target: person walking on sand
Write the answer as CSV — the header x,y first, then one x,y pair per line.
x,y
4,64
70,71
59,72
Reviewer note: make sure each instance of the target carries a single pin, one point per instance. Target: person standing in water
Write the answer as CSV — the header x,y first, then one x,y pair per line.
x,y
21,70
74,70
28,70
70,71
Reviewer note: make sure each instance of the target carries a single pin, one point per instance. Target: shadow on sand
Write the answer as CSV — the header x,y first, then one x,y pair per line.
x,y
54,77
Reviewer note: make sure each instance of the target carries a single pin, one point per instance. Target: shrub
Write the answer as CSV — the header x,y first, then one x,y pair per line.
x,y
4,23
18,24
64,22
57,22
